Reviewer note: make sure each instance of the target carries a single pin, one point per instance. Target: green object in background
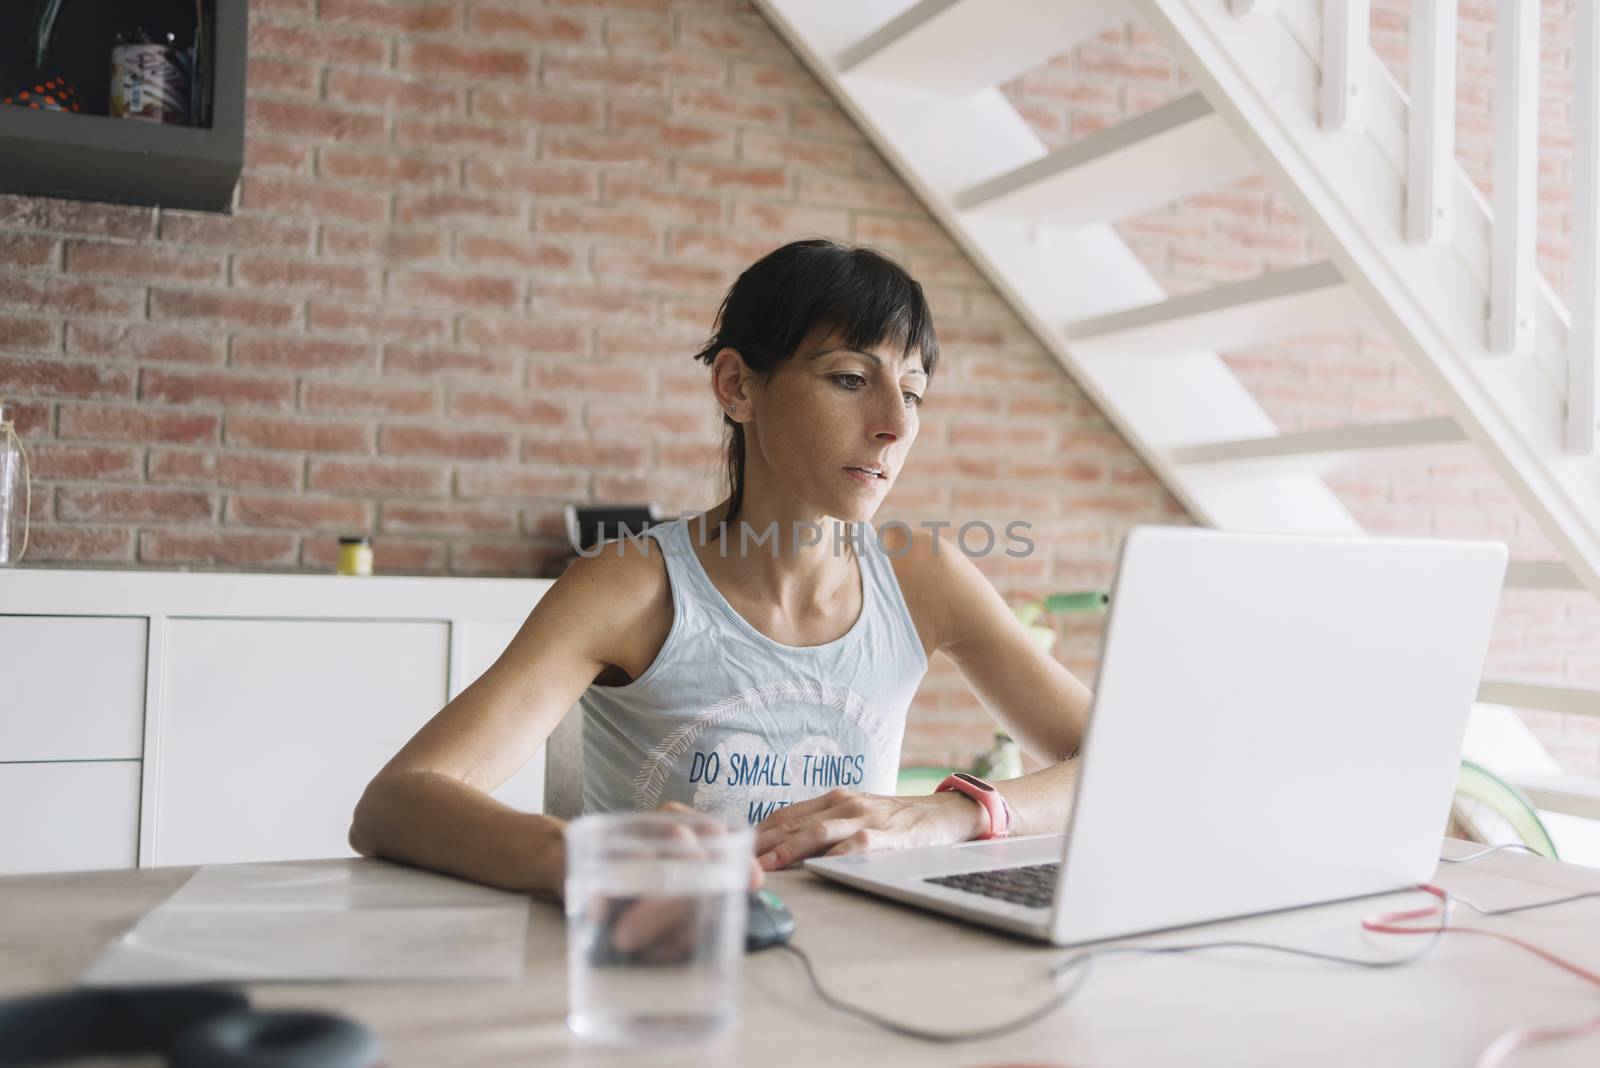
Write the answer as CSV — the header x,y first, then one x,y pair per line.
x,y
1083,601
1043,635
1059,604
1475,783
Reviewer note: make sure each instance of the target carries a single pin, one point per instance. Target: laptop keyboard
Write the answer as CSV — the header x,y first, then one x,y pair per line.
x,y
1031,886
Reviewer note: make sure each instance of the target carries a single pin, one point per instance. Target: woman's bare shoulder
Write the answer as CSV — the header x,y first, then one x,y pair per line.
x,y
622,565
626,580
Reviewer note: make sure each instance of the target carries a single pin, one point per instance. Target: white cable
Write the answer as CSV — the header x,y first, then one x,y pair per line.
x,y
1082,962
1491,849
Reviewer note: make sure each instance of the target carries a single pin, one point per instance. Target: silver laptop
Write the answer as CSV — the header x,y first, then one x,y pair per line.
x,y
1278,722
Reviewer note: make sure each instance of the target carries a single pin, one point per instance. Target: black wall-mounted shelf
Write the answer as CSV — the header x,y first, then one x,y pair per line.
x,y
124,161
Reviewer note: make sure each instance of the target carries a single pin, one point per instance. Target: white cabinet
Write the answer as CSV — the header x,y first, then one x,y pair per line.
x,y
71,688
271,728
69,816
160,718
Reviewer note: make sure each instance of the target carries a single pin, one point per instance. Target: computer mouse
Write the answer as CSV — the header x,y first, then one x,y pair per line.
x,y
770,922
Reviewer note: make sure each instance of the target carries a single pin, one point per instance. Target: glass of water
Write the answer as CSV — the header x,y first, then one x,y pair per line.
x,y
655,907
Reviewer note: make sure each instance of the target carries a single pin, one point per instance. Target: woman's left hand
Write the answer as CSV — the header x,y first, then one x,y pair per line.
x,y
844,821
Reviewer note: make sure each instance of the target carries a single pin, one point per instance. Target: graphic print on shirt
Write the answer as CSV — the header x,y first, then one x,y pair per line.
x,y
767,747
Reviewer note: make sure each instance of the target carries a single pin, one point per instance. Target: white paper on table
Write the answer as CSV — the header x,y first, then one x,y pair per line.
x,y
362,920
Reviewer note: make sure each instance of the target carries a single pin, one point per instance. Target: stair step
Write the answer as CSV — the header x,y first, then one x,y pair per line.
x,y
1292,303
962,46
1548,697
1411,433
1171,152
1569,794
1541,575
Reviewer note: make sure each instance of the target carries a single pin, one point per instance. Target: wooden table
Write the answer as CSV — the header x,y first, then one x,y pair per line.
x,y
1229,1007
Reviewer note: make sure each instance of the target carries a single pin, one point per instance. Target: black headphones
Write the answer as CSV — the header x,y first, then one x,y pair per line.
x,y
193,1026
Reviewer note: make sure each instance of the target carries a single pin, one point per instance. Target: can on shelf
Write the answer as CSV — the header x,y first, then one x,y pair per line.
x,y
150,82
355,556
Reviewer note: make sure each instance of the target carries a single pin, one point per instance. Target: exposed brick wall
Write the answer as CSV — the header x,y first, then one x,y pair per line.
x,y
476,245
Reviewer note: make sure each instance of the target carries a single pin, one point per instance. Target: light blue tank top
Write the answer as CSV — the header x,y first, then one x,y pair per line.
x,y
728,721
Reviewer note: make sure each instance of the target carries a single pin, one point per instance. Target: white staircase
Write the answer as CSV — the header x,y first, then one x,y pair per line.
x,y
1409,239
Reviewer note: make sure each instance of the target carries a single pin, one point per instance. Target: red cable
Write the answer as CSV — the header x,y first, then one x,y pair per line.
x,y
1506,1044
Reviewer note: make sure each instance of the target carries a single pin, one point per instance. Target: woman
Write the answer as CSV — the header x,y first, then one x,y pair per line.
x,y
756,660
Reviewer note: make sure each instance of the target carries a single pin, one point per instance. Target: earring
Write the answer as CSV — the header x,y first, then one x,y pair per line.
x,y
733,409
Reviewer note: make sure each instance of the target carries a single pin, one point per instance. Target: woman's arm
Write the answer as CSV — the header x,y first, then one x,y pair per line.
x,y
1028,692
1036,700
434,820
430,805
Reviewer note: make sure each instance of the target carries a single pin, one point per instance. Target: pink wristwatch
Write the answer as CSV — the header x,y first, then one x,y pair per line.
x,y
991,799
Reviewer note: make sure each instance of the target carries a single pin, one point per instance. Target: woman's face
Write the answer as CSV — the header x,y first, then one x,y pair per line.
x,y
830,409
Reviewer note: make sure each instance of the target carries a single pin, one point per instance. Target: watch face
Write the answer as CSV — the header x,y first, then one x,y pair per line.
x,y
973,780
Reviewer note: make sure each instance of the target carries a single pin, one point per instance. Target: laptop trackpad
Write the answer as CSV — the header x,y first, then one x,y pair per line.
x,y
1021,851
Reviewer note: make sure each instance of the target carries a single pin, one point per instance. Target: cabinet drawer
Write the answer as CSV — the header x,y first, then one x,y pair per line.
x,y
72,687
69,816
